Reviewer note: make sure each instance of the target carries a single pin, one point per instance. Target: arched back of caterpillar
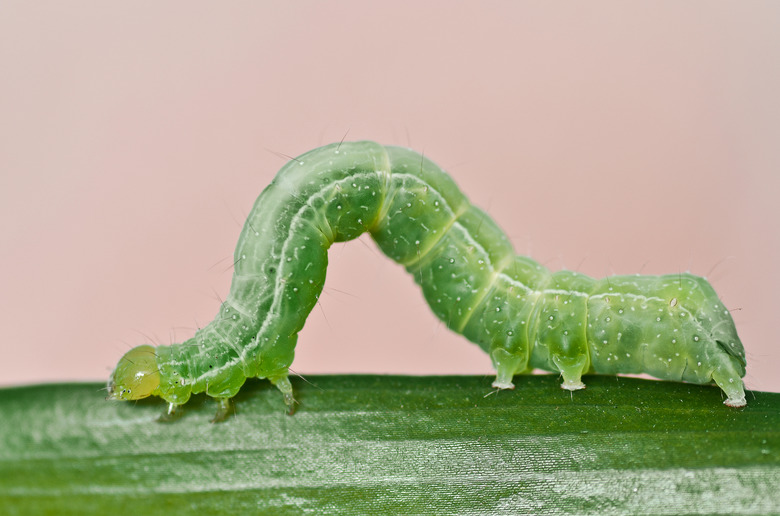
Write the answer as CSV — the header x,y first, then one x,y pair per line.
x,y
524,316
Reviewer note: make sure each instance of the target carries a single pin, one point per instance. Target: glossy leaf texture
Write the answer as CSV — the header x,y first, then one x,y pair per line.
x,y
395,444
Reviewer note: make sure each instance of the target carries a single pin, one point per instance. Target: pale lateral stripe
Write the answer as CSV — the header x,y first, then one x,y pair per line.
x,y
418,258
237,307
267,319
250,346
294,220
470,238
561,292
488,290
627,294
293,223
320,193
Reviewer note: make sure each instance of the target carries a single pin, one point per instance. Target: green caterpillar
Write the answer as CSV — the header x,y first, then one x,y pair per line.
x,y
672,327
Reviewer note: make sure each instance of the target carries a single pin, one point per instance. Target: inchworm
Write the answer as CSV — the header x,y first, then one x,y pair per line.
x,y
525,317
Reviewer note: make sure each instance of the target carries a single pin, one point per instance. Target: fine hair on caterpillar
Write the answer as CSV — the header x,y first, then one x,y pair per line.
x,y
524,316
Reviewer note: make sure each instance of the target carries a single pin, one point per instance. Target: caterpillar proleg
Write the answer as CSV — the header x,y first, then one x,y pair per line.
x,y
524,316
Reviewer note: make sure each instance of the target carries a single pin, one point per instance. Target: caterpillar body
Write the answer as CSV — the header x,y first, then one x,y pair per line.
x,y
525,317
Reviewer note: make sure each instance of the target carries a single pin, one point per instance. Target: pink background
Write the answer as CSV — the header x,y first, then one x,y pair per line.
x,y
606,137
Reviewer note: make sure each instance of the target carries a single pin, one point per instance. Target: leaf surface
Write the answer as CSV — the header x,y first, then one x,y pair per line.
x,y
395,444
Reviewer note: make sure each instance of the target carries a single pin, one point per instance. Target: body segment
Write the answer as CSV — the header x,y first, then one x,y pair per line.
x,y
524,316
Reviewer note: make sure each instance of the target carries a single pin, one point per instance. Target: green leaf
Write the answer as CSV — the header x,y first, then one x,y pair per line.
x,y
391,444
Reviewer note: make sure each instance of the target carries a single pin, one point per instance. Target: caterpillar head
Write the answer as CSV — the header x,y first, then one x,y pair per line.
x,y
136,375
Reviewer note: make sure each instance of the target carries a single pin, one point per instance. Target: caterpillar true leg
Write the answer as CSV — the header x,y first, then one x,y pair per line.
x,y
223,410
727,377
172,413
285,387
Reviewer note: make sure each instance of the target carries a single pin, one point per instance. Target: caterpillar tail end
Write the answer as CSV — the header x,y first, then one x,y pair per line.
x,y
735,402
727,376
